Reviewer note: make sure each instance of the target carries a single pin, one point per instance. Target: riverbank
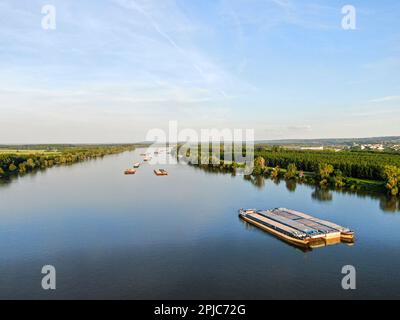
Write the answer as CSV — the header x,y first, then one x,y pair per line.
x,y
19,160
310,178
344,170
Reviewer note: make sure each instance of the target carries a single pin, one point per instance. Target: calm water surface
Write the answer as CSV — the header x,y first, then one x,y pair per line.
x,y
143,236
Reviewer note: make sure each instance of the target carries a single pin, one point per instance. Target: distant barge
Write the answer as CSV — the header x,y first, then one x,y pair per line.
x,y
130,171
161,172
136,165
297,228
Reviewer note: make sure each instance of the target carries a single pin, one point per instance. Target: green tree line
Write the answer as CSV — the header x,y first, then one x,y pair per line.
x,y
337,169
361,165
352,169
14,163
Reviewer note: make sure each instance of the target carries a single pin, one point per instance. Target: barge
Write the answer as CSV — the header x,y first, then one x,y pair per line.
x,y
161,172
136,165
296,227
130,171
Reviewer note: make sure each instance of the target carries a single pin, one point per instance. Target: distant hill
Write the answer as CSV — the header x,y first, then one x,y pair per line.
x,y
332,141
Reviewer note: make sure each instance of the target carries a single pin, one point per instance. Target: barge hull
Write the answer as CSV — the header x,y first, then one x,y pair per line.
x,y
297,242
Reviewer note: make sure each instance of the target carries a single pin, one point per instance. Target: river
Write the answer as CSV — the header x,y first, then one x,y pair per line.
x,y
179,236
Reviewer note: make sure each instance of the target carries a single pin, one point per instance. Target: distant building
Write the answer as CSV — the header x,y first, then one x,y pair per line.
x,y
377,146
312,148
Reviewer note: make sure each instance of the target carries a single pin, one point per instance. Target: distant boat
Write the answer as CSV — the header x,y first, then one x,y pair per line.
x,y
136,165
130,171
297,228
161,172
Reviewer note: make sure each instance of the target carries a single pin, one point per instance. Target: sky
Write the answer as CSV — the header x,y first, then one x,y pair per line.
x,y
112,70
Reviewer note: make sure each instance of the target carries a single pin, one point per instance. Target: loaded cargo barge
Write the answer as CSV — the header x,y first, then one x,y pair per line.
x,y
130,171
136,165
161,172
296,227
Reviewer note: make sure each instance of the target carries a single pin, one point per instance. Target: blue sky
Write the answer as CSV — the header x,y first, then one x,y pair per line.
x,y
112,70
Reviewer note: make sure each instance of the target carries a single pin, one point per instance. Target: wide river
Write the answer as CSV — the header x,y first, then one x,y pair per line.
x,y
179,236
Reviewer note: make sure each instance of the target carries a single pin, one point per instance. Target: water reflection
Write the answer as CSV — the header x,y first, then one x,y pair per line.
x,y
386,203
4,182
322,194
257,181
291,185
211,169
389,203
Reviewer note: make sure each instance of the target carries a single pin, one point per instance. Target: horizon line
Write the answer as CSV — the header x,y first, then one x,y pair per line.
x,y
152,142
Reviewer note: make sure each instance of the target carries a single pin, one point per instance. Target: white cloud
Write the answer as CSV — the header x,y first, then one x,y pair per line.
x,y
386,99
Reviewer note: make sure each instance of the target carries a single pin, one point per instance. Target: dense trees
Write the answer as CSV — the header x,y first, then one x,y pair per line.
x,y
325,170
392,175
338,179
275,172
355,170
259,165
343,169
17,162
362,165
338,169
324,173
291,171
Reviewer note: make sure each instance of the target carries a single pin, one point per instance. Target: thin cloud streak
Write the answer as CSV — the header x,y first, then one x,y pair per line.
x,y
386,99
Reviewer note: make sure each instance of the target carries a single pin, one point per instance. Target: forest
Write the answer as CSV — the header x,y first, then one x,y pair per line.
x,y
360,170
360,164
17,160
